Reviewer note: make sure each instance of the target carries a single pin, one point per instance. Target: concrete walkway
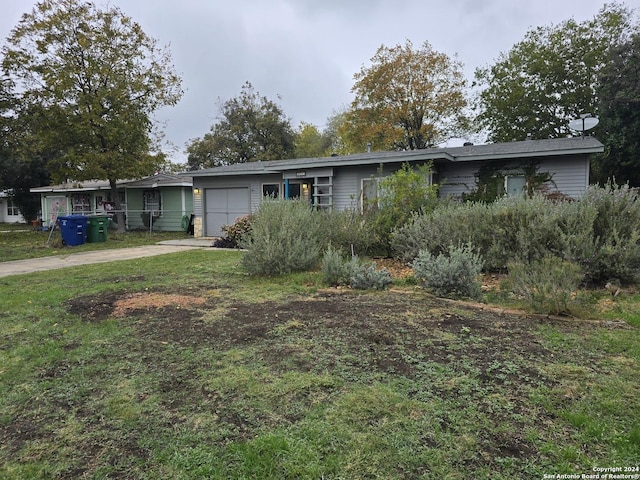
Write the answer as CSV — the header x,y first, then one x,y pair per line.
x,y
18,267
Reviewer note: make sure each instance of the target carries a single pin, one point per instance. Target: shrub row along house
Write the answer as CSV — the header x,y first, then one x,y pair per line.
x,y
164,199
555,166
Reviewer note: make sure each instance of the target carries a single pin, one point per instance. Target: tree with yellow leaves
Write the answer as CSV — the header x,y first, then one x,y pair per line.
x,y
407,99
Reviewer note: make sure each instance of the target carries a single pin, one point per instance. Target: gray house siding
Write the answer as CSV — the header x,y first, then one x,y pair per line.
x,y
570,176
456,179
346,188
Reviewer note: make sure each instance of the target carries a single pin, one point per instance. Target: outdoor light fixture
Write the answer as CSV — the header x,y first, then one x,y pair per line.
x,y
196,191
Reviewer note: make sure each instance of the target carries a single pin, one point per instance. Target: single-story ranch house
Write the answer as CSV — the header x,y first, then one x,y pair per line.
x,y
166,198
222,194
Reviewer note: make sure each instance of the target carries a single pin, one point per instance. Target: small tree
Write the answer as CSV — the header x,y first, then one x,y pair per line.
x,y
400,195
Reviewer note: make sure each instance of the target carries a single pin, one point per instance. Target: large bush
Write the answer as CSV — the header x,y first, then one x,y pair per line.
x,y
452,274
451,223
285,237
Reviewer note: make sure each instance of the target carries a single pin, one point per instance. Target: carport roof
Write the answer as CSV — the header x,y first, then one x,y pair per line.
x,y
491,151
153,181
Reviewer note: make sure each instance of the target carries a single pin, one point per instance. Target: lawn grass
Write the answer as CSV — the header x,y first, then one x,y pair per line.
x,y
19,242
183,367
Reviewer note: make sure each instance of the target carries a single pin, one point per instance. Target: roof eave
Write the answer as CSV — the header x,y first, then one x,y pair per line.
x,y
548,153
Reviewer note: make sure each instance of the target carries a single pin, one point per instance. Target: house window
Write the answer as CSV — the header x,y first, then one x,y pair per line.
x,y
12,209
271,190
152,202
80,204
370,193
515,185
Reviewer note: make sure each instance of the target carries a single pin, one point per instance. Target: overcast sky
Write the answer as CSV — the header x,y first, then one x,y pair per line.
x,y
307,51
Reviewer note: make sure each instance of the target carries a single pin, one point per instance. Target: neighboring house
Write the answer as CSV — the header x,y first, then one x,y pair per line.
x,y
165,198
222,194
9,212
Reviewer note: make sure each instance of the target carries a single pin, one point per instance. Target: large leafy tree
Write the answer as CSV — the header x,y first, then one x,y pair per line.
x,y
250,128
619,97
94,78
550,77
408,98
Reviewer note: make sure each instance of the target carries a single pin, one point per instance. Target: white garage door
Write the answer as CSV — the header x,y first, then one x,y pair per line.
x,y
223,206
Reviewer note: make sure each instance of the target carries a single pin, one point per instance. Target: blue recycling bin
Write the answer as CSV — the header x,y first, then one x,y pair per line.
x,y
73,229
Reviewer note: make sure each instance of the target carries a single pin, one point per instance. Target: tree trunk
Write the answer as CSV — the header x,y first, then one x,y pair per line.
x,y
118,206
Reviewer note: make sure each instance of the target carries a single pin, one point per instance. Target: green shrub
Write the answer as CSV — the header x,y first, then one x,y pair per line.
x,y
353,272
350,231
285,237
365,276
451,223
335,270
548,284
613,249
453,274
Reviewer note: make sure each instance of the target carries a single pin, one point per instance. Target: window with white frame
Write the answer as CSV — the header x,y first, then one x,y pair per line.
x,y
323,193
152,202
12,208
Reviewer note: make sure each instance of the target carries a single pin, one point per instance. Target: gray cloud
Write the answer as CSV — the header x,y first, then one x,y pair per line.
x,y
307,51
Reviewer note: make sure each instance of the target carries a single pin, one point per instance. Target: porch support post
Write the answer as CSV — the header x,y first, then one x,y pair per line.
x,y
286,188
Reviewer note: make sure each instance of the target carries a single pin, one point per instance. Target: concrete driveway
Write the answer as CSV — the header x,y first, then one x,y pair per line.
x,y
18,267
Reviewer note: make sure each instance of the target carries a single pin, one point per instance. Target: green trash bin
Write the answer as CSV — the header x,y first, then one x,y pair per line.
x,y
97,228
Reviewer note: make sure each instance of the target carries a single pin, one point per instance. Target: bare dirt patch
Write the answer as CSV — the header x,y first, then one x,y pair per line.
x,y
145,301
96,308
